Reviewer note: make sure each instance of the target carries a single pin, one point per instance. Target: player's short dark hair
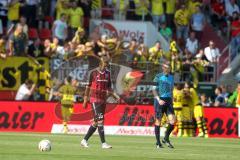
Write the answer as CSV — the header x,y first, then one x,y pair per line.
x,y
141,39
69,79
28,82
178,86
189,83
220,89
62,14
134,39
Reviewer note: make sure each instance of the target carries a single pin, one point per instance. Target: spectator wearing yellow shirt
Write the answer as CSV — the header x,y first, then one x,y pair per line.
x,y
141,9
18,42
155,53
75,18
192,4
121,7
234,99
2,48
133,47
43,84
175,59
142,54
157,12
13,12
181,19
238,95
170,10
96,7
62,8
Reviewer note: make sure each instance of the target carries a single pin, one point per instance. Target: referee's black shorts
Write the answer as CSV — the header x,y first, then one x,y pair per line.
x,y
167,108
98,111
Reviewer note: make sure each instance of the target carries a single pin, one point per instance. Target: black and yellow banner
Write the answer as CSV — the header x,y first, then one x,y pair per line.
x,y
15,70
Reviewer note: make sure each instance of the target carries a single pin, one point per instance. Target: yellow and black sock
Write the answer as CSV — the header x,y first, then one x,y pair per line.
x,y
190,129
185,129
180,126
199,126
204,124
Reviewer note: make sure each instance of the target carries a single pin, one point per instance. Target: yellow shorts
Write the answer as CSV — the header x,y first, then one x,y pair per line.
x,y
178,114
67,110
186,114
198,111
164,120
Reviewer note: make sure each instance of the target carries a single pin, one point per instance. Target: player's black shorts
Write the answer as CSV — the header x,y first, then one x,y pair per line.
x,y
98,111
167,108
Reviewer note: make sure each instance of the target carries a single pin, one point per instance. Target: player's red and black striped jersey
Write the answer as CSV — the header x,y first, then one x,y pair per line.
x,y
99,83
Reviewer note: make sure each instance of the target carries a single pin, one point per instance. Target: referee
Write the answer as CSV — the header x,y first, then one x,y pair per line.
x,y
163,91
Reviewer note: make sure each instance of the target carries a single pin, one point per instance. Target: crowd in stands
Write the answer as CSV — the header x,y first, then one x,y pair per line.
x,y
60,29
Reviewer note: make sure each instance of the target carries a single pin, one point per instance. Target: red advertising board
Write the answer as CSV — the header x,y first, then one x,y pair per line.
x,y
26,116
42,116
222,122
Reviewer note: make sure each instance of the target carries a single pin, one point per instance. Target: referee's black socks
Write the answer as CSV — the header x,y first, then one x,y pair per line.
x,y
168,131
157,134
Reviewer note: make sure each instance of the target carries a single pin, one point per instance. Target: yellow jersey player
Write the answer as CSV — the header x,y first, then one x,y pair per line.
x,y
177,105
198,114
66,92
186,112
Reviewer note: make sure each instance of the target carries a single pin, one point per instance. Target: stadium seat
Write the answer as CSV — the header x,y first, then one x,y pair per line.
x,y
32,33
107,13
86,22
45,34
49,19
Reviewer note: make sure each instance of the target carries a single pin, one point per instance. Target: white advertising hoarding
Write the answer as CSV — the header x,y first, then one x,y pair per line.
x,y
129,30
109,130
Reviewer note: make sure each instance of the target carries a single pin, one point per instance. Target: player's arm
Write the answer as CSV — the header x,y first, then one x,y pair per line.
x,y
100,44
32,89
113,94
155,88
155,93
87,91
86,96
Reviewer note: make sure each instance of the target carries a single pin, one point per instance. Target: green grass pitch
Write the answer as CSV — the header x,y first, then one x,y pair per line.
x,y
24,146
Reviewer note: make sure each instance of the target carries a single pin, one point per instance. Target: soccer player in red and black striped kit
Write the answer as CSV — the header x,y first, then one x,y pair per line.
x,y
98,89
